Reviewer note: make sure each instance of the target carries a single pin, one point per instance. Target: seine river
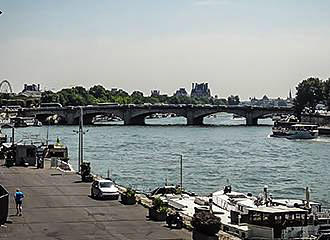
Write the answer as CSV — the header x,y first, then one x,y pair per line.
x,y
144,156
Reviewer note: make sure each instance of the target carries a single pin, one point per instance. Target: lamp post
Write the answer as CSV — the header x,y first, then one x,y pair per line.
x,y
12,136
12,153
181,173
81,133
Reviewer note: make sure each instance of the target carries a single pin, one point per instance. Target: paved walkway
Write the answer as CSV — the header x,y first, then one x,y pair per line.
x,y
58,207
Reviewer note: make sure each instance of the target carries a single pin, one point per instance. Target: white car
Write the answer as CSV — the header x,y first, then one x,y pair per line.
x,y
104,188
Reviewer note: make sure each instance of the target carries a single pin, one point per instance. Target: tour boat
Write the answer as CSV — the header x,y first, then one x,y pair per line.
x,y
303,131
295,131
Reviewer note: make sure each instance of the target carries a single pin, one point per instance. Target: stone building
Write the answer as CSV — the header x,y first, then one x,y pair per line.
x,y
200,90
181,92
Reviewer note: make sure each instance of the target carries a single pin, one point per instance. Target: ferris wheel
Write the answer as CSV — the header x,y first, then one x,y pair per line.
x,y
5,87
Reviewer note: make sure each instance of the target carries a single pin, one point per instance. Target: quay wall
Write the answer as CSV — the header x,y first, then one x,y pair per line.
x,y
321,120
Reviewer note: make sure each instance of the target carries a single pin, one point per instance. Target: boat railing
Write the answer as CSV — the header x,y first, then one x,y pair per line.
x,y
324,214
59,164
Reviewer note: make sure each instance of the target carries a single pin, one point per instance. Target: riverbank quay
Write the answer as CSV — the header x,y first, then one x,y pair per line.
x,y
57,205
321,119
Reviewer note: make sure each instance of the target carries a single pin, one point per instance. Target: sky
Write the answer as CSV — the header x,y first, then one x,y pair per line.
x,y
242,47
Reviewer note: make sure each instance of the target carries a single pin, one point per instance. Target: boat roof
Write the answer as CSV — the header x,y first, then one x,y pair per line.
x,y
304,125
292,202
232,194
277,209
104,180
235,198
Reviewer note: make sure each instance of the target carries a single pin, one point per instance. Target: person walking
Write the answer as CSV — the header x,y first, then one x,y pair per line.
x,y
19,201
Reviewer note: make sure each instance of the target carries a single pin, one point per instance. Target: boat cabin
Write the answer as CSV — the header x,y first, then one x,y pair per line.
x,y
276,222
33,153
24,121
57,150
308,127
3,138
22,154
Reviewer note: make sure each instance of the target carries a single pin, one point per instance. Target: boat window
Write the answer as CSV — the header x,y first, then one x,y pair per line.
x,y
256,217
266,218
57,154
323,221
277,219
105,184
288,216
237,196
298,216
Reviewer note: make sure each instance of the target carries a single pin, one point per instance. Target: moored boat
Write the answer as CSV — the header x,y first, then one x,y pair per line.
x,y
324,130
25,122
3,137
265,217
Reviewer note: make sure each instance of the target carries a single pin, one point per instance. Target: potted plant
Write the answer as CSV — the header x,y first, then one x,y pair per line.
x,y
158,211
206,226
128,197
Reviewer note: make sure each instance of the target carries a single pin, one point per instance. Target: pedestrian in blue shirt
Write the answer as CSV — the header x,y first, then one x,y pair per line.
x,y
19,201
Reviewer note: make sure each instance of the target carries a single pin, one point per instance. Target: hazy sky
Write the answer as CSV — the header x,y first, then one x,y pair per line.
x,y
248,48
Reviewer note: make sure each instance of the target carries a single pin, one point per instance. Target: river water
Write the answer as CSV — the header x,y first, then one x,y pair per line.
x,y
144,156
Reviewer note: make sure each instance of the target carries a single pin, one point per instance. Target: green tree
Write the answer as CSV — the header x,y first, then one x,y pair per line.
x,y
326,92
98,94
48,97
137,97
233,100
309,94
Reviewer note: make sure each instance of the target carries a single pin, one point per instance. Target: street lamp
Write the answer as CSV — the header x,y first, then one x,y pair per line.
x,y
81,133
181,172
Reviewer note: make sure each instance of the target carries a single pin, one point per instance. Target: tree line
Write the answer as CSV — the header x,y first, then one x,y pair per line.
x,y
79,96
310,92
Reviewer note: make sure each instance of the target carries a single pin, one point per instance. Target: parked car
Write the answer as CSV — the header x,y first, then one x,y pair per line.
x,y
104,188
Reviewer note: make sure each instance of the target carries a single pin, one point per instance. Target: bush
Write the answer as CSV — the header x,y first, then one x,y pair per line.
x,y
159,206
207,223
130,192
157,203
163,209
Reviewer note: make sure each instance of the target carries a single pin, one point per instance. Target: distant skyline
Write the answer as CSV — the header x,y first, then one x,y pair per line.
x,y
247,48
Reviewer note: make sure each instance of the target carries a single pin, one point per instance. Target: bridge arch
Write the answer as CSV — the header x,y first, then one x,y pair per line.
x,y
50,119
88,116
138,117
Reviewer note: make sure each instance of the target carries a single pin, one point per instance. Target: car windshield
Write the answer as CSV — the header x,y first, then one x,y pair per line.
x,y
105,184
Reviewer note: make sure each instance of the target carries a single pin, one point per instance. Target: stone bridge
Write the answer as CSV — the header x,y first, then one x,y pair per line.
x,y
135,114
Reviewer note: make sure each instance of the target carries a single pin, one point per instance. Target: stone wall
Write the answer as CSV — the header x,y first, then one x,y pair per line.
x,y
321,120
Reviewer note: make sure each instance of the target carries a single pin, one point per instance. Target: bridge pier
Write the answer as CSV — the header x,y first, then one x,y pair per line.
x,y
194,121
140,120
251,121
